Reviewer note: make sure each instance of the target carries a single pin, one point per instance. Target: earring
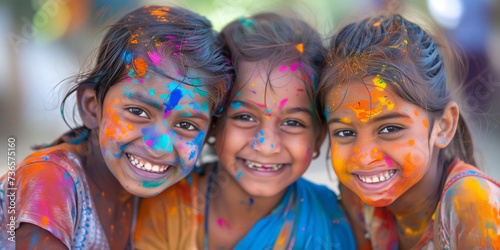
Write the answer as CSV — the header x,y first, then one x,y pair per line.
x,y
211,140
315,154
443,141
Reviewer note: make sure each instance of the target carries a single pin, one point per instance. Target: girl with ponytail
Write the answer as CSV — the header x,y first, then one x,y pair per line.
x,y
399,144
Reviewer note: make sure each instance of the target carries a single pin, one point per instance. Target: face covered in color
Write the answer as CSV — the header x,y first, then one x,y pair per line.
x,y
152,130
379,142
268,137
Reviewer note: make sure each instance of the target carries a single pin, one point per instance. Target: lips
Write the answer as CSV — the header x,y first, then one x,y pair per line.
x,y
145,165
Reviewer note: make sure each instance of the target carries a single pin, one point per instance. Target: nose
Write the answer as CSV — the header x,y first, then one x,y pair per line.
x,y
267,141
158,139
366,151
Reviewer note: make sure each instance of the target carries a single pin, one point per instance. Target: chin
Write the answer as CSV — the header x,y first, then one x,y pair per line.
x,y
378,201
264,192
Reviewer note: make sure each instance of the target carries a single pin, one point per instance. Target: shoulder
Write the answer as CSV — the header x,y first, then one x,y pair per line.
x,y
469,210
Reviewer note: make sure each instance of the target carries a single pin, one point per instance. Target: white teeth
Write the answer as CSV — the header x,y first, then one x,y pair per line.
x,y
155,168
263,168
378,178
146,166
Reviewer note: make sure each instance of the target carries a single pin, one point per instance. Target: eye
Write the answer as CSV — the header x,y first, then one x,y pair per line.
x,y
390,130
186,126
344,133
293,123
138,112
244,118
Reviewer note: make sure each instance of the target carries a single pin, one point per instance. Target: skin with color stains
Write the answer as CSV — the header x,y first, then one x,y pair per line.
x,y
256,130
397,143
159,120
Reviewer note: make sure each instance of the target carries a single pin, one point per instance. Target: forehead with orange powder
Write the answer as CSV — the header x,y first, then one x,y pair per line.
x,y
372,129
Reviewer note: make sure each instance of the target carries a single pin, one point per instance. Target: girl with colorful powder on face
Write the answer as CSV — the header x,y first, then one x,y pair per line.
x,y
146,107
399,143
254,196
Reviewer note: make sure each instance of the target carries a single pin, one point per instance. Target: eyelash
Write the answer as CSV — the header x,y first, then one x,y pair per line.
x,y
141,111
178,125
297,124
247,118
391,126
337,133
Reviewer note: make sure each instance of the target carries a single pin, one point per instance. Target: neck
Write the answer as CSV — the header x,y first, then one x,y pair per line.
x,y
99,176
233,200
415,208
233,211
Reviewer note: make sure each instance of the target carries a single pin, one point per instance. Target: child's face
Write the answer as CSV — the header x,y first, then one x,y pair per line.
x,y
268,138
151,132
379,142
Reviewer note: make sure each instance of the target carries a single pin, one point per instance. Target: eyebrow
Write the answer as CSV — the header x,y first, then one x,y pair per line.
x,y
297,110
257,106
196,115
138,97
375,119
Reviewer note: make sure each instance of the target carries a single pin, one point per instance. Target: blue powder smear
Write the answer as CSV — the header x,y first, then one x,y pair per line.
x,y
236,105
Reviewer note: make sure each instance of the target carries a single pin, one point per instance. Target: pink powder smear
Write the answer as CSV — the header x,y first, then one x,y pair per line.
x,y
155,58
282,103
283,68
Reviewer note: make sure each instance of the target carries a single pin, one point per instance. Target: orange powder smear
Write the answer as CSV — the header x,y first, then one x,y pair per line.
x,y
362,108
416,113
134,39
425,123
141,66
376,24
45,220
300,47
161,14
411,142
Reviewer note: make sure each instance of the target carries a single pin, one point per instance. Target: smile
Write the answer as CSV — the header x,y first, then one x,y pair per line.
x,y
146,165
383,176
262,167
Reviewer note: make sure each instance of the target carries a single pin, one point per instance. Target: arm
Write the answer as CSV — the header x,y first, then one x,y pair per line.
x,y
353,207
44,205
470,214
30,236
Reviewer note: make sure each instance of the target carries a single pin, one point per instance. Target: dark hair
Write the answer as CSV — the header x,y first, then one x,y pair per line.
x,y
131,45
278,40
407,58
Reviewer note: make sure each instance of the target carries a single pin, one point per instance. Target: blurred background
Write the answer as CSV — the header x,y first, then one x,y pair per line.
x,y
47,41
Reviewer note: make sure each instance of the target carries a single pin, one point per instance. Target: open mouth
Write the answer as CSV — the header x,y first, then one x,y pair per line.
x,y
380,177
264,167
144,165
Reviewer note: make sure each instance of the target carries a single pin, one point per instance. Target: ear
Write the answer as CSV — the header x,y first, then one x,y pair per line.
x,y
447,125
88,107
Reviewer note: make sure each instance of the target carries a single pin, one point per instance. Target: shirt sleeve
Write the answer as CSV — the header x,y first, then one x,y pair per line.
x,y
470,215
46,197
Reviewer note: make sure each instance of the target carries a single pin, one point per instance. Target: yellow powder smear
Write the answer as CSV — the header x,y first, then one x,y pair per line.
x,y
379,83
